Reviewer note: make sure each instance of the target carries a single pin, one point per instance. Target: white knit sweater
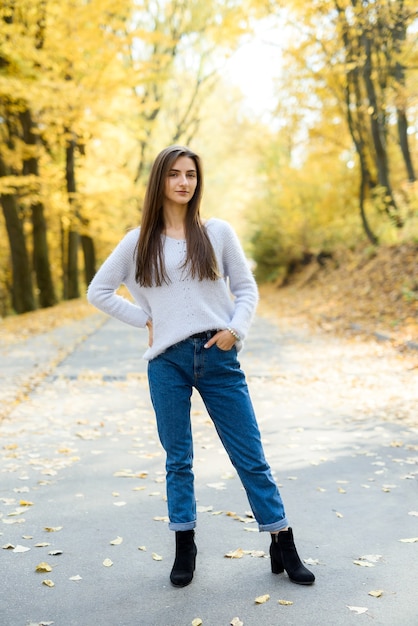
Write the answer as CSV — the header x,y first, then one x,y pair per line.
x,y
184,306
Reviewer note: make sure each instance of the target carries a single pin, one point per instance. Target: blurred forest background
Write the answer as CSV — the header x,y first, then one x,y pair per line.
x,y
321,169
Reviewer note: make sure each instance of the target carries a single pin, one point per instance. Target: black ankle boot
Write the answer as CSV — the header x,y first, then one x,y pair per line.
x,y
185,561
284,556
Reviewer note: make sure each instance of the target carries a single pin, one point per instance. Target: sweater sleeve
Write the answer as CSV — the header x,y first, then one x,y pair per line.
x,y
112,274
241,283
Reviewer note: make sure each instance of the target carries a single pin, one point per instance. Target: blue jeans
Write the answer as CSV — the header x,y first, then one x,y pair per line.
x,y
217,376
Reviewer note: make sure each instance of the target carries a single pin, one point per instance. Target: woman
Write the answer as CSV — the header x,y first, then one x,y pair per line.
x,y
181,273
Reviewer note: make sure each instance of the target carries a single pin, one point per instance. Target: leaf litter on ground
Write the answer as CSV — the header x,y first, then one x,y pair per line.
x,y
262,599
359,610
43,567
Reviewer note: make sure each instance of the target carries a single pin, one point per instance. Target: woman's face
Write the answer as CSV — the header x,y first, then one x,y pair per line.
x,y
181,182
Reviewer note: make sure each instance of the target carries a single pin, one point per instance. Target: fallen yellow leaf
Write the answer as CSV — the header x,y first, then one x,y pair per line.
x,y
21,520
204,509
48,583
19,548
411,540
10,446
372,558
285,602
376,594
117,541
52,529
262,599
43,567
107,563
357,609
235,554
25,503
236,622
197,622
49,472
255,553
156,557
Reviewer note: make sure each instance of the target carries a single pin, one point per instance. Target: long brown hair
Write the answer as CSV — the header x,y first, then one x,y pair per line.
x,y
200,258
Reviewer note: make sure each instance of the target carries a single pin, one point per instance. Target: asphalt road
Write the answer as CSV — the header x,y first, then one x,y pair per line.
x,y
82,491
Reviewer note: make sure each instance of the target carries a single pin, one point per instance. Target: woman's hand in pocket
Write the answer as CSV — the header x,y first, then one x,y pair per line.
x,y
223,339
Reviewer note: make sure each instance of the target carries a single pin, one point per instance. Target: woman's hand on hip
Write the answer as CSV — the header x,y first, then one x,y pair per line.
x,y
223,339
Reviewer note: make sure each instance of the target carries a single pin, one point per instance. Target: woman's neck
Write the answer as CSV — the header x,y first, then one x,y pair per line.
x,y
175,222
175,233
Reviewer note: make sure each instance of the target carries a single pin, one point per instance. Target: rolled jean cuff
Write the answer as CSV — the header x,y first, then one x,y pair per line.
x,y
182,526
273,528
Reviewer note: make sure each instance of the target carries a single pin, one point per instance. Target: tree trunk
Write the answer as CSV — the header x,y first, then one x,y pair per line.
x,y
404,144
378,133
363,188
73,235
64,269
22,289
356,119
41,263
73,243
89,253
357,131
399,37
41,257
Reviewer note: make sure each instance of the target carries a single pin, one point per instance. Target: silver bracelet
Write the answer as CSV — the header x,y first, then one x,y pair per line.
x,y
233,333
